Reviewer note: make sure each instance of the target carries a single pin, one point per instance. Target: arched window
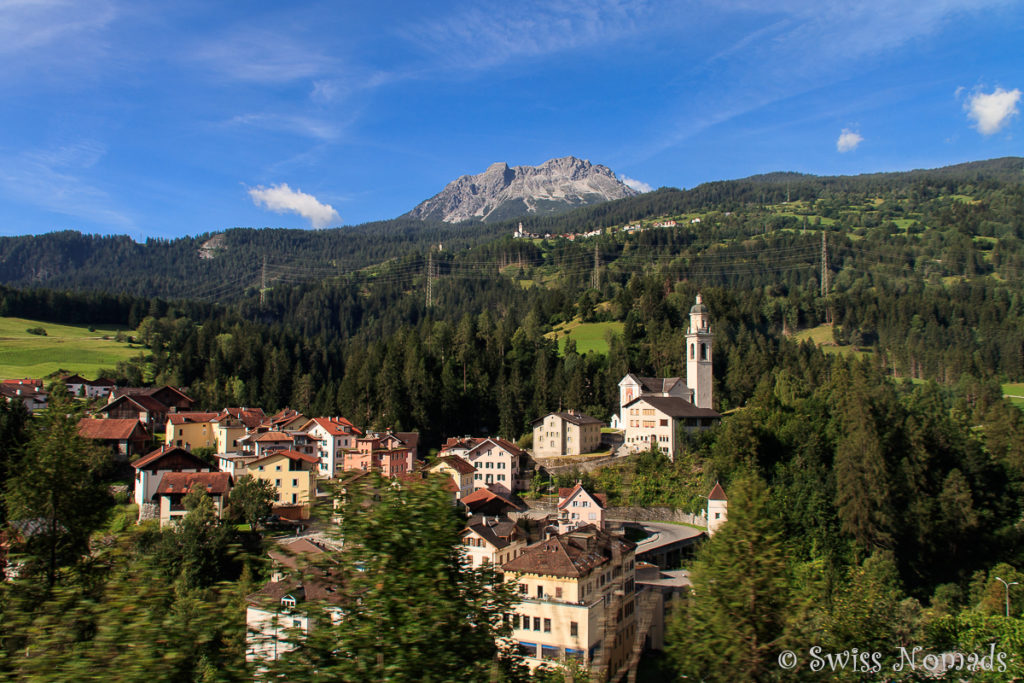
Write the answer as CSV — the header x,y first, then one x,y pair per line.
x,y
703,351
691,351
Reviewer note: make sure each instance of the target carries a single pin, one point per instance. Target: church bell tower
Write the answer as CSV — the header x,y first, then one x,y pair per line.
x,y
698,354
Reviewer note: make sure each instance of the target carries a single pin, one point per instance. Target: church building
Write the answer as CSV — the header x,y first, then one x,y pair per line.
x,y
651,409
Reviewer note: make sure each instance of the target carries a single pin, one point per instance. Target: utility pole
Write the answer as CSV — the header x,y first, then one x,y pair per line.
x,y
825,276
263,282
595,280
430,278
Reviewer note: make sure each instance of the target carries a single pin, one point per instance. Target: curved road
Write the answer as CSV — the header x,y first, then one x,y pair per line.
x,y
662,534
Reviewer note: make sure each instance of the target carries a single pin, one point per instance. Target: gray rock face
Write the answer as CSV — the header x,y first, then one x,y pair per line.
x,y
503,192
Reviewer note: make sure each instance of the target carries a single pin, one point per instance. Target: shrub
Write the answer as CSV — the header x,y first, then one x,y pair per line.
x,y
37,330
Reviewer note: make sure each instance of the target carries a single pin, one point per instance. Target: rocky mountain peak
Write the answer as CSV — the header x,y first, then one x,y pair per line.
x,y
503,192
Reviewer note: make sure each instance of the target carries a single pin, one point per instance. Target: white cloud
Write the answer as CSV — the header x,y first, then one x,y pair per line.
x,y
283,199
848,140
317,129
638,185
992,111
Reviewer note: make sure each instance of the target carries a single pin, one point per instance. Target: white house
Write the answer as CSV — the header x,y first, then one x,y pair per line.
x,y
334,436
578,507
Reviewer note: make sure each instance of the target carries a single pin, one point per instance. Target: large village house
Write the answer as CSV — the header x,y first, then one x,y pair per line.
x,y
566,433
577,601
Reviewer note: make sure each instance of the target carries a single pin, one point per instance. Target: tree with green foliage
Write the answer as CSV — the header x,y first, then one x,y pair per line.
x,y
737,618
55,495
251,500
413,610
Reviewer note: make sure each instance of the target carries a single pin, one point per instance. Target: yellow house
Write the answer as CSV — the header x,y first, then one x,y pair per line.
x,y
577,601
460,471
293,475
191,430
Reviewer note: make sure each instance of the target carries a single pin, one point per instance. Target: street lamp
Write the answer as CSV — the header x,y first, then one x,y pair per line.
x,y
1007,586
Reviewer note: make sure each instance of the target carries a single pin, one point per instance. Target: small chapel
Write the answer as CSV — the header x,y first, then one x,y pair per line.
x,y
651,408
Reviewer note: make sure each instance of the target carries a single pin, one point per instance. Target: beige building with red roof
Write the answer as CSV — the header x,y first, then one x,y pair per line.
x,y
496,461
174,486
577,601
458,471
293,476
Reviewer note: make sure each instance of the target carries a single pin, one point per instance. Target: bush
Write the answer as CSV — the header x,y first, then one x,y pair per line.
x,y
37,330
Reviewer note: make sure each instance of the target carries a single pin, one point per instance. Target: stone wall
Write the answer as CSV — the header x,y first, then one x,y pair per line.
x,y
542,506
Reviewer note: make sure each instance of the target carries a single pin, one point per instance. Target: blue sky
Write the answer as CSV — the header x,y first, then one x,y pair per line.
x,y
158,119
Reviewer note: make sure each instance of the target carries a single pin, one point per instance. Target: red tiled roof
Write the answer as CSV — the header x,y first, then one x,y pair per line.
x,y
183,482
458,464
191,416
25,382
291,455
273,436
93,428
501,443
717,493
336,426
493,492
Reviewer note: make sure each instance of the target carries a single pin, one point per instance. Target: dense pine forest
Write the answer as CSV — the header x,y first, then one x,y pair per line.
x,y
863,328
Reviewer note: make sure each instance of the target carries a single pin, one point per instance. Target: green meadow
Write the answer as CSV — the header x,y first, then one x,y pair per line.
x,y
588,336
65,347
1014,391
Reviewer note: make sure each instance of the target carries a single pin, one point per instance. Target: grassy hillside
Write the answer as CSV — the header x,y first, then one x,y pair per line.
x,y
1015,392
588,336
822,336
67,347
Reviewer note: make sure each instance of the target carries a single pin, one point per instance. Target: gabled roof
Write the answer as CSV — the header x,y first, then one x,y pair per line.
x,y
214,483
153,457
95,428
74,379
572,416
291,455
273,436
455,462
673,406
102,382
250,417
491,494
193,417
496,530
501,443
566,495
140,401
571,555
653,385
717,493
335,426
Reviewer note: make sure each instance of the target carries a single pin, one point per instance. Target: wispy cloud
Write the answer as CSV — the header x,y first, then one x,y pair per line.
x,y
848,140
51,37
261,56
485,35
50,179
283,199
307,126
638,185
991,112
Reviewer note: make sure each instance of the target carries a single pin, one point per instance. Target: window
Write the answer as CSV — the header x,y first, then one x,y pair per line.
x,y
547,626
574,628
540,592
692,347
523,588
296,623
558,591
526,622
536,623
295,483
703,351
664,423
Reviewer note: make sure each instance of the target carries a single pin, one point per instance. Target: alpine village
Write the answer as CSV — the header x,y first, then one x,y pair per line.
x,y
682,434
